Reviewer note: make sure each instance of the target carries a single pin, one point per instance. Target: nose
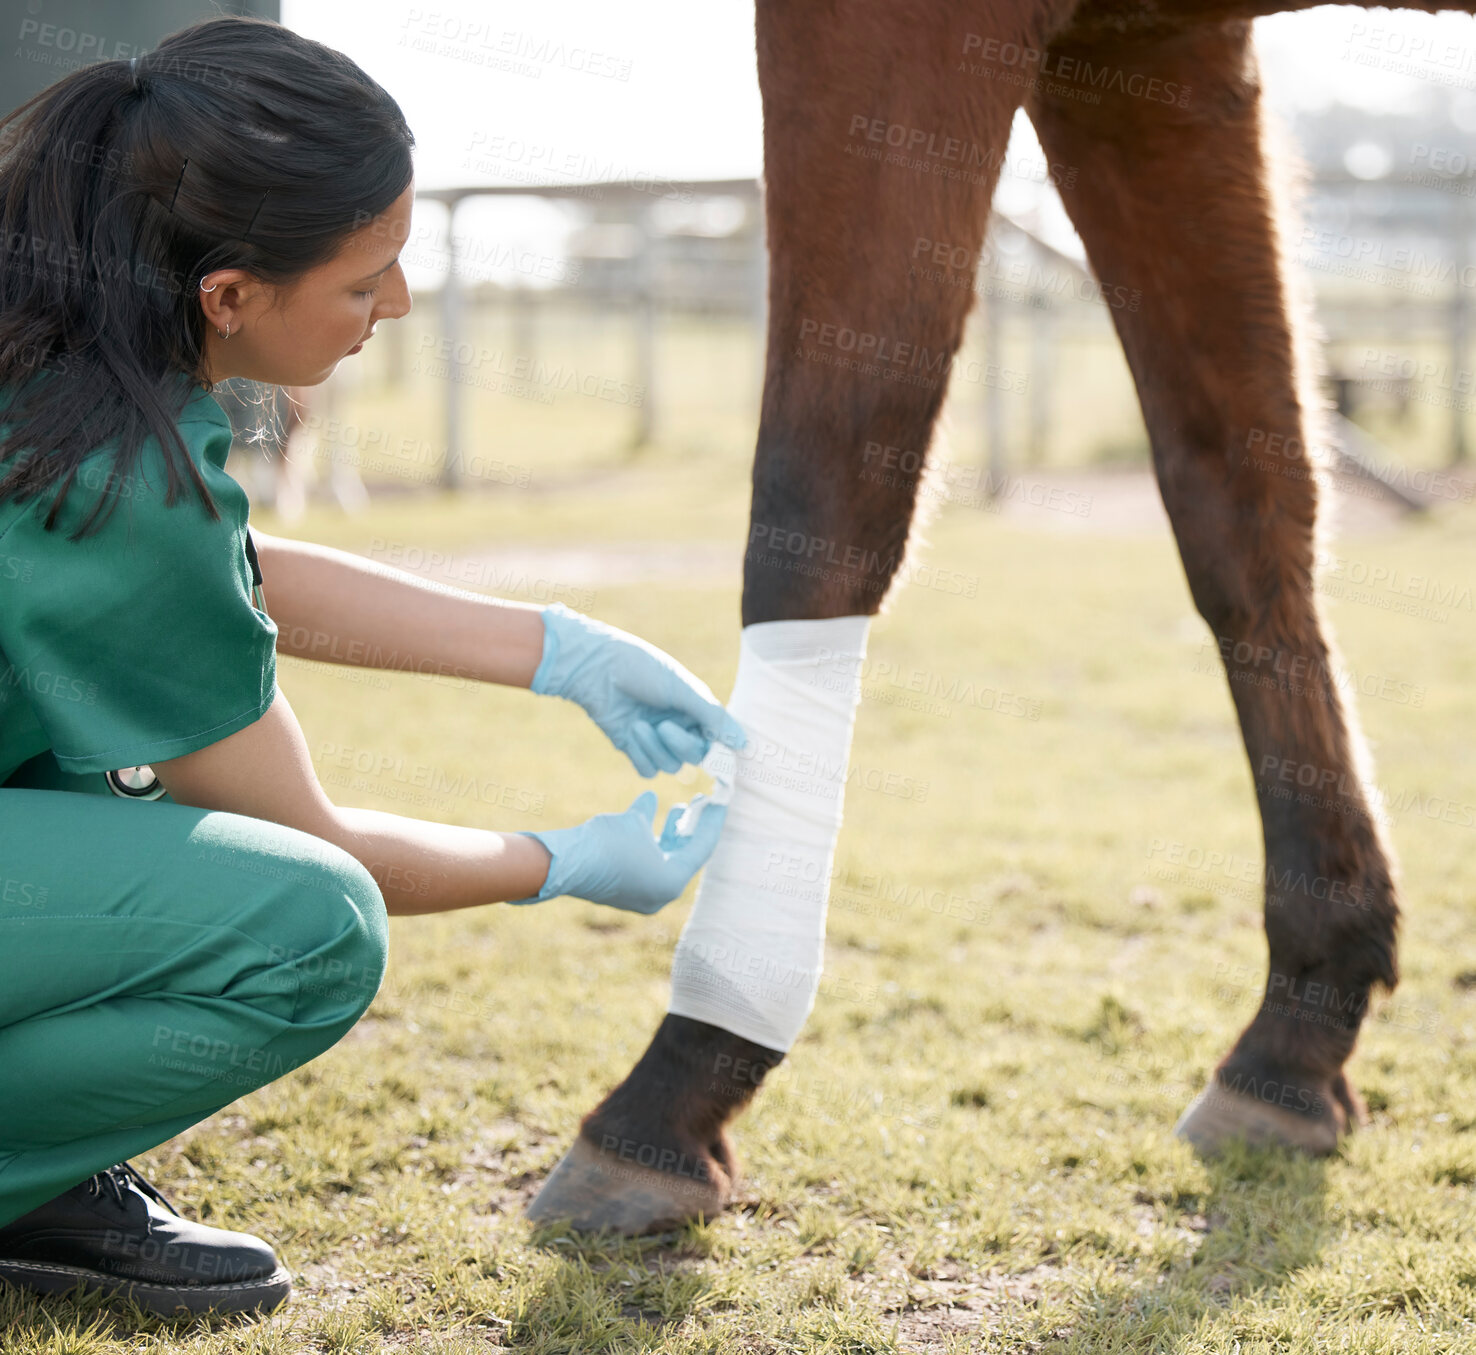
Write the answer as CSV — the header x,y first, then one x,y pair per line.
x,y
396,296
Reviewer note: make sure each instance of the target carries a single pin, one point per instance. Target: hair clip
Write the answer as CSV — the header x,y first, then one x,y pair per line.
x,y
254,215
179,181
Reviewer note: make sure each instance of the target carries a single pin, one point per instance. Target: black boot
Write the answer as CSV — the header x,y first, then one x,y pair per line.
x,y
117,1234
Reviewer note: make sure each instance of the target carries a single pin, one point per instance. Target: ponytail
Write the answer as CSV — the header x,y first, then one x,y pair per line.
x,y
236,143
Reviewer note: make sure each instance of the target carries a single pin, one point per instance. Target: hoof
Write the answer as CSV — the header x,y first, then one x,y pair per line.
x,y
598,1190
1218,1115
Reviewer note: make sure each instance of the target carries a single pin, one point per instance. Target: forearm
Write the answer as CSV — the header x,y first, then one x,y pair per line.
x,y
337,607
426,867
265,771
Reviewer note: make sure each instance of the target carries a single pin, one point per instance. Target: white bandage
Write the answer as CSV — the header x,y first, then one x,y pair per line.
x,y
750,956
718,763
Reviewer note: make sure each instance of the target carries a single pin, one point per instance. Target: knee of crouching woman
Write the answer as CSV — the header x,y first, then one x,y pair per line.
x,y
342,948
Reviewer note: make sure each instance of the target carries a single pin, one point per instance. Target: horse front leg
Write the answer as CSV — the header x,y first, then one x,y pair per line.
x,y
1180,204
881,152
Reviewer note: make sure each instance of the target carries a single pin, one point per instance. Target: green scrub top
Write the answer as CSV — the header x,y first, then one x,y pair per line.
x,y
141,641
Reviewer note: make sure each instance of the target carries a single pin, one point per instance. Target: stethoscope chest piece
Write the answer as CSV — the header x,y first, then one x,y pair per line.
x,y
135,783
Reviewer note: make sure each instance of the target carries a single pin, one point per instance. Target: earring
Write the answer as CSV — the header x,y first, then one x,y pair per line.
x,y
204,288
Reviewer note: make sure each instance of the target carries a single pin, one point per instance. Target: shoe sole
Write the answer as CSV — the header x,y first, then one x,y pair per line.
x,y
163,1300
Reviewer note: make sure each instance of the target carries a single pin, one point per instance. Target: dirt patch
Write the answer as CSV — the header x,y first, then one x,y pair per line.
x,y
951,1303
1104,502
1127,503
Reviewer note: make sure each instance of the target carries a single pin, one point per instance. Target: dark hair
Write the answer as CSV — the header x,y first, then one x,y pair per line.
x,y
236,143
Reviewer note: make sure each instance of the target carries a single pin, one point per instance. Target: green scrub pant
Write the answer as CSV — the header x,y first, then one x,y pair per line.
x,y
157,961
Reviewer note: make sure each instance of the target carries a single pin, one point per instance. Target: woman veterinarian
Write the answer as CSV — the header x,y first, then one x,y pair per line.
x,y
229,204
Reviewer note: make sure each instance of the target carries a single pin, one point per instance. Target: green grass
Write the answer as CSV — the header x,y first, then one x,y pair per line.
x,y
970,1147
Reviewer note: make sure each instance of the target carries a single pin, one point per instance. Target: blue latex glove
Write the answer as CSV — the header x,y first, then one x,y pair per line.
x,y
613,859
656,712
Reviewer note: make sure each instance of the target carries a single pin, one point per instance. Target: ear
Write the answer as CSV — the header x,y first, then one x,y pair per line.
x,y
225,293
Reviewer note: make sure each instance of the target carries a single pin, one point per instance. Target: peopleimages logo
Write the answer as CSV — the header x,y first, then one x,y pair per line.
x,y
893,358
1058,73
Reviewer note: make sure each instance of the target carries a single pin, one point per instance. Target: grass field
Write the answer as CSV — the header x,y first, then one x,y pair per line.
x,y
1039,945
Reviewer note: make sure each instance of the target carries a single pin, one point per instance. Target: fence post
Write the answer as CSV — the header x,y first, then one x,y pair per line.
x,y
994,414
645,429
451,318
1043,340
1460,325
760,280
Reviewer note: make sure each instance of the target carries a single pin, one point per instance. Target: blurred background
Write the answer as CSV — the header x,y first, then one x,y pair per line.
x,y
588,259
1045,925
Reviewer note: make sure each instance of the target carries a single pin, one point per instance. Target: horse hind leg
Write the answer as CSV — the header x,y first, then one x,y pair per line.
x,y
1178,206
876,140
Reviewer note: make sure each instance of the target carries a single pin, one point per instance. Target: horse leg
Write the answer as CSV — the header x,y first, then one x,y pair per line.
x,y
1179,204
891,150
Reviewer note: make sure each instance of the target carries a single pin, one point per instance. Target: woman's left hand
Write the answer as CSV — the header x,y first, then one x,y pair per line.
x,y
656,712
614,858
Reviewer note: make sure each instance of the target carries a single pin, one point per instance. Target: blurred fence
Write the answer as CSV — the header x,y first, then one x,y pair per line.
x,y
642,335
